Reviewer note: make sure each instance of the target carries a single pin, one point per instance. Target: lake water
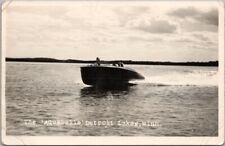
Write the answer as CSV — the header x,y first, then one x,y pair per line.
x,y
50,99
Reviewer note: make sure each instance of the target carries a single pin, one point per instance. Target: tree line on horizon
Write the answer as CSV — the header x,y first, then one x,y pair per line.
x,y
52,60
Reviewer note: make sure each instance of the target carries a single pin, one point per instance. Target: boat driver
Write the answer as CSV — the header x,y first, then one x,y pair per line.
x,y
98,61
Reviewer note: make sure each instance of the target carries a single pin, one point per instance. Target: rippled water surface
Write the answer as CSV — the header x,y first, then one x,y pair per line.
x,y
50,99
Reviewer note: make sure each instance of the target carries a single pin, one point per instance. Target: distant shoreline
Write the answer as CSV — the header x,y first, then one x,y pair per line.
x,y
52,60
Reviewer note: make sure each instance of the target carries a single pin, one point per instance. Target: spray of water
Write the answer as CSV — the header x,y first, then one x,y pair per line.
x,y
200,78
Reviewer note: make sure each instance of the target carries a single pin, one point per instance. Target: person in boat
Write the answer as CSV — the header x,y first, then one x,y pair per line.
x,y
120,64
97,61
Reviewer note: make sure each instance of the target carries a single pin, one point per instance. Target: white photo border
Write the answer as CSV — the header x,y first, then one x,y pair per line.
x,y
114,140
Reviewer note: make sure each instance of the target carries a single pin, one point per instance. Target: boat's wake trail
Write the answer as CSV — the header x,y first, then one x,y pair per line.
x,y
199,78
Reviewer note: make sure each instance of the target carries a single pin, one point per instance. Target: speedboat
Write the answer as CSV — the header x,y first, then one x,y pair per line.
x,y
107,75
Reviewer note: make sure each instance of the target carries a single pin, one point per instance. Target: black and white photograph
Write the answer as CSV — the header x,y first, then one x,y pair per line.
x,y
112,72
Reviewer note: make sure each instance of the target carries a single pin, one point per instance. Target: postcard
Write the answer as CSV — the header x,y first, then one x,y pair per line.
x,y
112,72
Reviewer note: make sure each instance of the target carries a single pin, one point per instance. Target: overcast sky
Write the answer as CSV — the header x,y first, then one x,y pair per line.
x,y
157,31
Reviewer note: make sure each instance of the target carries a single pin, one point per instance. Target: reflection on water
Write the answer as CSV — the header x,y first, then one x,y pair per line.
x,y
117,91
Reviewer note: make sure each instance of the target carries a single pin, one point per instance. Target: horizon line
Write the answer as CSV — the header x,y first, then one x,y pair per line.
x,y
105,59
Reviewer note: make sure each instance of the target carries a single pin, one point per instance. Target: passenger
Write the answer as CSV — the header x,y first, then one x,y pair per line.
x,y
98,61
121,64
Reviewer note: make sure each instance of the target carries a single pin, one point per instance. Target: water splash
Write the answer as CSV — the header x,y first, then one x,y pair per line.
x,y
201,78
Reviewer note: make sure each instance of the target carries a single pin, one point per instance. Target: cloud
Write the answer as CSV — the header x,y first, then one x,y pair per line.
x,y
126,14
157,26
190,26
191,19
184,40
144,39
184,12
201,37
209,17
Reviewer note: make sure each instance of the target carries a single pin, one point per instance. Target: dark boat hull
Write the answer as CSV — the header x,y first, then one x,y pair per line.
x,y
108,75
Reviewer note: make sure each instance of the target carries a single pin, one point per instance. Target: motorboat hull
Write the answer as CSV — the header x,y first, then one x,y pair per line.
x,y
108,75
